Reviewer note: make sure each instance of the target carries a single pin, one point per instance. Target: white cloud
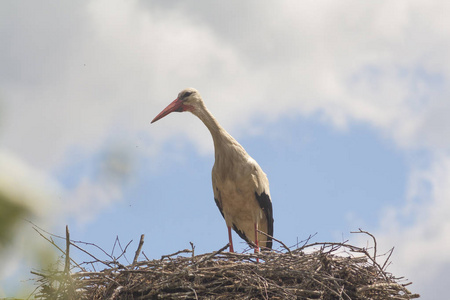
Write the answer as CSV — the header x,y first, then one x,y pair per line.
x,y
118,68
422,244
89,198
122,63
104,186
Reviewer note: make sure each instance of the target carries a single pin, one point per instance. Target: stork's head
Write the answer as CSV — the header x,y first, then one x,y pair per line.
x,y
188,100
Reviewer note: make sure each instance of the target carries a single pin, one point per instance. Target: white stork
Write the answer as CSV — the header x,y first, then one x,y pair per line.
x,y
241,188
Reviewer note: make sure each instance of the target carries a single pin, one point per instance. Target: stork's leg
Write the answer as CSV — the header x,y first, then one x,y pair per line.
x,y
256,241
230,239
256,238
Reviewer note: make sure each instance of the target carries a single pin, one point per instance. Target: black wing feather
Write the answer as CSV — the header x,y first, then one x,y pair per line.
x,y
266,206
242,235
219,205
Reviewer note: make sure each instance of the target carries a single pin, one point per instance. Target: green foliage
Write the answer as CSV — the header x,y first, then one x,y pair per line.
x,y
11,212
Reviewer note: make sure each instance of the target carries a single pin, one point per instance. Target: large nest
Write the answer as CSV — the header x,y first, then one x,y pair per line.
x,y
311,271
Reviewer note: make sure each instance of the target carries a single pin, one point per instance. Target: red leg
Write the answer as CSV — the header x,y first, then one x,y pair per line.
x,y
256,238
230,239
256,241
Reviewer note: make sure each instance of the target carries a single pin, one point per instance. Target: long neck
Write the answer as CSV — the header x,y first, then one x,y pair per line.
x,y
218,133
225,146
228,152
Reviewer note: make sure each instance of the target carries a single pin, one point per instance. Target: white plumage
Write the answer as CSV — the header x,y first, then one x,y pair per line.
x,y
241,188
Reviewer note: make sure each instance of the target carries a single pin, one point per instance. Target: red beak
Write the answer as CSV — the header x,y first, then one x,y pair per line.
x,y
176,105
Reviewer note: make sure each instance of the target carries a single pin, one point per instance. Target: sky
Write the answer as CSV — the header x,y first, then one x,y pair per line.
x,y
344,104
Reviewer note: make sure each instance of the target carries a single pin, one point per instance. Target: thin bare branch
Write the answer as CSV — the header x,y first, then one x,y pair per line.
x,y
56,246
138,251
67,263
176,253
283,244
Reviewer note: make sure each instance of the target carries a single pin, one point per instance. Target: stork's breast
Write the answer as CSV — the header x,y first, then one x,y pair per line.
x,y
238,200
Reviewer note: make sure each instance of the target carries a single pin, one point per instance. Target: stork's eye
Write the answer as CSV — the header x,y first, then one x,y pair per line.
x,y
187,94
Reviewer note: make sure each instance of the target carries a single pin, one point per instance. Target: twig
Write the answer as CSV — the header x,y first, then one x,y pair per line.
x,y
73,243
374,258
116,292
306,241
143,253
283,244
96,259
138,251
193,254
387,259
93,245
374,242
56,246
176,253
67,262
195,293
212,254
382,285
327,244
123,252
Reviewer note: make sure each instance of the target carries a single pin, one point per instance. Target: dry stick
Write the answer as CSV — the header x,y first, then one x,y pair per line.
x,y
375,263
285,247
94,245
178,252
145,256
38,287
192,247
328,244
96,259
305,241
195,293
123,253
67,263
37,228
138,251
374,241
212,254
116,292
193,253
387,259
241,256
38,274
56,246
70,287
327,287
